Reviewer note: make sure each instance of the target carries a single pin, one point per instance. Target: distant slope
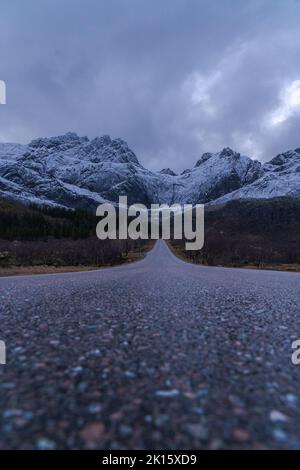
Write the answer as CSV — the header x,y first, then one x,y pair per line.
x,y
280,178
30,222
258,232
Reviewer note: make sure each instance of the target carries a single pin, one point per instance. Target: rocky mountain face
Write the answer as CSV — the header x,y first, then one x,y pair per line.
x,y
279,178
73,171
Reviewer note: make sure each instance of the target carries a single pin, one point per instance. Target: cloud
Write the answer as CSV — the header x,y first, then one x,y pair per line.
x,y
199,90
290,104
173,78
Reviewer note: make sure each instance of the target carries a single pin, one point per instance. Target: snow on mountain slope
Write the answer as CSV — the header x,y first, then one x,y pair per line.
x,y
73,171
11,151
167,171
280,178
67,170
216,174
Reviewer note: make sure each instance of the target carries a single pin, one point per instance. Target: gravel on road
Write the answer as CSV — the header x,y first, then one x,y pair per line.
x,y
159,354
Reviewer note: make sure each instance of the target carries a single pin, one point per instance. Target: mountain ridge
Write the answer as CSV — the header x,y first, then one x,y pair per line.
x,y
76,172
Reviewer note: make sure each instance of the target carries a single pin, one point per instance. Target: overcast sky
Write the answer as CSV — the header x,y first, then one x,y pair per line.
x,y
174,78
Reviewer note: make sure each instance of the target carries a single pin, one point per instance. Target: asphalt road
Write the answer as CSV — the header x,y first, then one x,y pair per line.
x,y
156,354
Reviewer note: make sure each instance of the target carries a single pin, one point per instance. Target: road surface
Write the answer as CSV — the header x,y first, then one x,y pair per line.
x,y
159,354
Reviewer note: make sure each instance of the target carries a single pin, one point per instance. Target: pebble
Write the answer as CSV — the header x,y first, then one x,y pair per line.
x,y
82,387
94,353
75,370
202,393
45,444
18,350
291,399
198,431
279,434
125,430
161,420
167,393
91,434
129,375
12,413
94,408
198,410
15,413
8,385
216,444
240,435
148,419
190,395
277,416
116,416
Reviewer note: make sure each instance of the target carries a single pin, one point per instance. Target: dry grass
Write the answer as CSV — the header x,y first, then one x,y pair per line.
x,y
293,268
134,255
28,270
181,253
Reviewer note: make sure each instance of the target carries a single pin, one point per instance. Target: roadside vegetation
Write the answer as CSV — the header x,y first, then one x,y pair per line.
x,y
33,239
249,233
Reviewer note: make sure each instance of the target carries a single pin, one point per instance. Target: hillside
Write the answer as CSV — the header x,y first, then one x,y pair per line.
x,y
75,172
260,233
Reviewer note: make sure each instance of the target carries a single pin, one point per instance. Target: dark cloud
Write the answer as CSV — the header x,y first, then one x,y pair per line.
x,y
174,78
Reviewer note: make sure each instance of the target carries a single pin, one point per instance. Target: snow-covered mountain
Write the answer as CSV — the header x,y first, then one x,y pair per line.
x,y
216,174
280,178
74,171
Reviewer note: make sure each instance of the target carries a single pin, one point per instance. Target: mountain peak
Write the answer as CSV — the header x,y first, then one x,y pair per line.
x,y
228,152
118,150
101,142
203,158
167,171
283,160
67,140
